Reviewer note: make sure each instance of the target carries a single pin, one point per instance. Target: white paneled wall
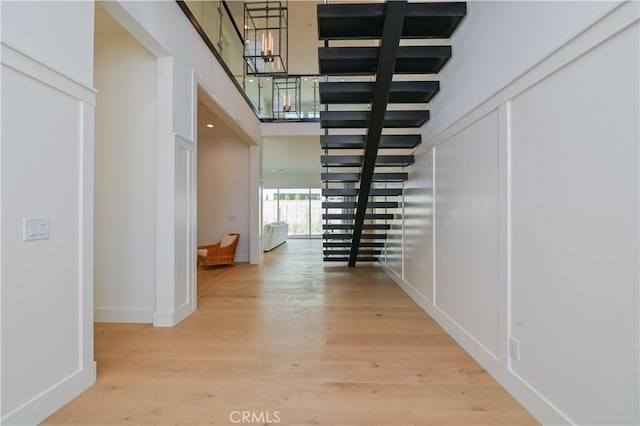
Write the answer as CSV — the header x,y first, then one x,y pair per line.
x,y
184,228
574,213
46,171
467,237
535,230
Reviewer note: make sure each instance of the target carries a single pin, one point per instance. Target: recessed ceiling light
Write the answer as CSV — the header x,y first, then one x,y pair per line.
x,y
250,80
209,125
306,79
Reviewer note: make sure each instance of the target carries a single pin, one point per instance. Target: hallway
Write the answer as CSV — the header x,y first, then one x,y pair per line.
x,y
296,342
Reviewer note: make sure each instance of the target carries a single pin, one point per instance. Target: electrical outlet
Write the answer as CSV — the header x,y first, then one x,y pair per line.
x,y
514,349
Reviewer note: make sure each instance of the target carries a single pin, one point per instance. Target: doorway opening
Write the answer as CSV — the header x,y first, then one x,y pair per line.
x,y
125,74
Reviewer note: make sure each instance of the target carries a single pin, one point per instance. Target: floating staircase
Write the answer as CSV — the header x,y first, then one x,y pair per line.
x,y
363,187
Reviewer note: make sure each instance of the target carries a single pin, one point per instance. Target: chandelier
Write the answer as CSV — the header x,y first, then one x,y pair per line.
x,y
286,98
266,37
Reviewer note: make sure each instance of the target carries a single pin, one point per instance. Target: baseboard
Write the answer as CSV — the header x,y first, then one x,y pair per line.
x,y
54,398
133,315
542,409
164,319
183,312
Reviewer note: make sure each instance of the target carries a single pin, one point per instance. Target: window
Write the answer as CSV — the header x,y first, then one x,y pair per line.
x,y
301,208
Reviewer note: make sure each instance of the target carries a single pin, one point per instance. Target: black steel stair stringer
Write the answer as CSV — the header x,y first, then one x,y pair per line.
x,y
391,34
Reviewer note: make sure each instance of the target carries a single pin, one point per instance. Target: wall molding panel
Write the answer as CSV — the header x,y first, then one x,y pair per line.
x,y
20,60
64,140
185,227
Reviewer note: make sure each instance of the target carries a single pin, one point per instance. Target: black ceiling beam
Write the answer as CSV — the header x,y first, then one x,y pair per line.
x,y
352,60
358,141
391,34
361,92
365,21
353,119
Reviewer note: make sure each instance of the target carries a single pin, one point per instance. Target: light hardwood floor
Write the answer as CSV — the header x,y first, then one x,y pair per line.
x,y
293,340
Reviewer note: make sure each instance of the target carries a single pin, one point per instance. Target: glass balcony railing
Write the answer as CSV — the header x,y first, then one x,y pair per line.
x,y
273,98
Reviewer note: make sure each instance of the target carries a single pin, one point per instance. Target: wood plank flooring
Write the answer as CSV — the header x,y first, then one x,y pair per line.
x,y
291,342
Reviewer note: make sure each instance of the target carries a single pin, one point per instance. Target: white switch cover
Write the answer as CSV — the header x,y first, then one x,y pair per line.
x,y
36,228
514,349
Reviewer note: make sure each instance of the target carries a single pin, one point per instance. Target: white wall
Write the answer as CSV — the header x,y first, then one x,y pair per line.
x,y
223,191
485,60
184,64
467,234
46,170
125,179
535,166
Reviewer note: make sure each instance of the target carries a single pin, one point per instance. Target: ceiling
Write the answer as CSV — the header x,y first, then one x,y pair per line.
x,y
105,24
207,118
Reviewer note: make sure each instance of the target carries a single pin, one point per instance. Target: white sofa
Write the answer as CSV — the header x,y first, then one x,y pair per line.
x,y
274,234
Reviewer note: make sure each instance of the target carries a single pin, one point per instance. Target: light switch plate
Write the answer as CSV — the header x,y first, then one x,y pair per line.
x,y
514,349
35,228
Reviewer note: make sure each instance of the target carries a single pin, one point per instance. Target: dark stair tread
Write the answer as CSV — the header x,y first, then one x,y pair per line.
x,y
369,244
346,259
356,160
351,216
347,236
358,141
352,204
355,177
364,60
340,192
365,21
346,252
360,119
353,192
350,226
353,92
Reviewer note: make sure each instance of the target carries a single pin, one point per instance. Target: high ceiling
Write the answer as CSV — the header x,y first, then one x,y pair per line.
x,y
285,154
